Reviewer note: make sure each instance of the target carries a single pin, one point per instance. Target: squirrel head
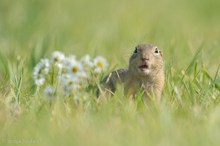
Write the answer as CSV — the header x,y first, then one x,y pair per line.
x,y
146,59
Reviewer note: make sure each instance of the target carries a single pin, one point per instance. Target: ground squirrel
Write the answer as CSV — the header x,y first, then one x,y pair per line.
x,y
145,72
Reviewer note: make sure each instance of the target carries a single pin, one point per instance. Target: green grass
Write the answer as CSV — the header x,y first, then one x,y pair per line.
x,y
188,33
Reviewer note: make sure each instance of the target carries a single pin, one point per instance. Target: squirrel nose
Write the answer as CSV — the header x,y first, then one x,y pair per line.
x,y
145,59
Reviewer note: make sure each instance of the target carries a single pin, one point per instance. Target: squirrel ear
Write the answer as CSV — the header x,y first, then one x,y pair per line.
x,y
135,51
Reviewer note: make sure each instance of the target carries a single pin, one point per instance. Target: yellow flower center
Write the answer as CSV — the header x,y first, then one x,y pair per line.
x,y
75,69
100,64
56,59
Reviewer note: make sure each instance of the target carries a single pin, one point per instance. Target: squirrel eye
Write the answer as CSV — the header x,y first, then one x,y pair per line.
x,y
135,51
156,51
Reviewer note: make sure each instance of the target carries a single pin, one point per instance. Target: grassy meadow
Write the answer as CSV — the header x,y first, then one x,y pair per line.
x,y
187,32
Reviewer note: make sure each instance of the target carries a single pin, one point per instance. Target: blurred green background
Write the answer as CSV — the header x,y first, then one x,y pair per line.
x,y
111,28
33,29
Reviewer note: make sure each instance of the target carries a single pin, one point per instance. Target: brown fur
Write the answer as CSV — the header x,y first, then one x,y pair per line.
x,y
150,78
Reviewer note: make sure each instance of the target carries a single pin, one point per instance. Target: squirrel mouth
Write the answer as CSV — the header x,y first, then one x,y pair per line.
x,y
144,67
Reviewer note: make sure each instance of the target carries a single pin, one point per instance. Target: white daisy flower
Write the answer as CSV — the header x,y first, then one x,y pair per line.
x,y
98,70
58,56
67,62
75,68
49,92
58,59
64,79
69,83
39,81
40,71
73,84
100,64
86,60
